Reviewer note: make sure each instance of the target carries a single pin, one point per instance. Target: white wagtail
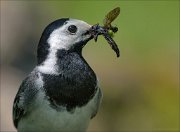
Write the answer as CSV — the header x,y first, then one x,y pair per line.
x,y
61,93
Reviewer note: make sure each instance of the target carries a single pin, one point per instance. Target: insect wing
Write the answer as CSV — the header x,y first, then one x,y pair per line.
x,y
111,16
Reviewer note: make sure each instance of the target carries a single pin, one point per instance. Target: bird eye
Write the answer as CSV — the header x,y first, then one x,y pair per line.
x,y
72,29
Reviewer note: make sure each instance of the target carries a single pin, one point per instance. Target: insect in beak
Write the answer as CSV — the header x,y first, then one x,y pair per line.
x,y
107,30
97,30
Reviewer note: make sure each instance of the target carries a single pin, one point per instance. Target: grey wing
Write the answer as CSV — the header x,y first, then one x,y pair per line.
x,y
27,92
98,102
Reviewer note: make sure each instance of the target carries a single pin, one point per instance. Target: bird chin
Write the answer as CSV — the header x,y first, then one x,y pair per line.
x,y
86,37
89,37
78,46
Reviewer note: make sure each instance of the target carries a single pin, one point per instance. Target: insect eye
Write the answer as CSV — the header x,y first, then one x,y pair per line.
x,y
114,29
72,29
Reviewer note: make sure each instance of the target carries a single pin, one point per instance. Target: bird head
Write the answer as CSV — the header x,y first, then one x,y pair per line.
x,y
63,34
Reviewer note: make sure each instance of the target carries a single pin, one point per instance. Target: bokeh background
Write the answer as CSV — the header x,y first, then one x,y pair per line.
x,y
141,88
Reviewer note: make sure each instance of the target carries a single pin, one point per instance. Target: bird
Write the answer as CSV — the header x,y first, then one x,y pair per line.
x,y
62,92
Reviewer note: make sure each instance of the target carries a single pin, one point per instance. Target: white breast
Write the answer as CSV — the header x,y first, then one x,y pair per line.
x,y
44,118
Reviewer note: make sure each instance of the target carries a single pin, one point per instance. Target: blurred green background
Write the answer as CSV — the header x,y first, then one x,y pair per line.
x,y
141,88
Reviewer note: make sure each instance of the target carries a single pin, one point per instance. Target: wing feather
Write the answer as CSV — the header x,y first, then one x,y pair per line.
x,y
98,102
25,96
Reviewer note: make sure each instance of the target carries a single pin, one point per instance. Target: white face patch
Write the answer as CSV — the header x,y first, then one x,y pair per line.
x,y
61,38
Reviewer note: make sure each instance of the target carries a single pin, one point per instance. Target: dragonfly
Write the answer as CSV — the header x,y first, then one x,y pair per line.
x,y
104,30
